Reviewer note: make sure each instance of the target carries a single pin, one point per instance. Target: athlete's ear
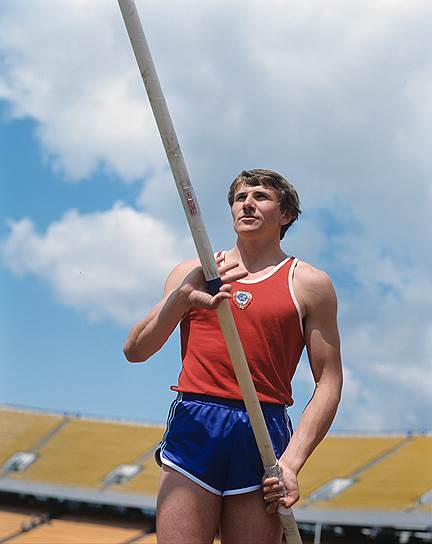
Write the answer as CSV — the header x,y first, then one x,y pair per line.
x,y
285,218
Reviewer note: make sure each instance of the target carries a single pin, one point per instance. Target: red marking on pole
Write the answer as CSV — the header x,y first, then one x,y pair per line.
x,y
193,206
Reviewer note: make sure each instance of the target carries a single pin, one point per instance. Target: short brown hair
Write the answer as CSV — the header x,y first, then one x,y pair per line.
x,y
288,198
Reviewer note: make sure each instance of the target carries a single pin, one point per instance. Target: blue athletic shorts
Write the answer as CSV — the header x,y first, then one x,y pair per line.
x,y
210,440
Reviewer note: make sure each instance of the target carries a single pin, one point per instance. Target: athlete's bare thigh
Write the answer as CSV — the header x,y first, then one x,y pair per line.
x,y
245,520
186,513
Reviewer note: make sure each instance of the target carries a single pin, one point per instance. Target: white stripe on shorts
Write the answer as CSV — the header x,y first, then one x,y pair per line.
x,y
171,415
190,476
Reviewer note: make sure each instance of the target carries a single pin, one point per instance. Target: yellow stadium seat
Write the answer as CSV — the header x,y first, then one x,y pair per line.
x,y
395,483
147,481
74,531
85,451
12,522
339,457
21,430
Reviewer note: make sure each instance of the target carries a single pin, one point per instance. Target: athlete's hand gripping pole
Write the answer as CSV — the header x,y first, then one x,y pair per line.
x,y
205,253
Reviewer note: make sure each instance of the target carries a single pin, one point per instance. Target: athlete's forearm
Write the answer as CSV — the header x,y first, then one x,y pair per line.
x,y
150,334
314,424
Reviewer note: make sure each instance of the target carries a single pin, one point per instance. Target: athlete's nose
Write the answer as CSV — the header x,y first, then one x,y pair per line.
x,y
248,201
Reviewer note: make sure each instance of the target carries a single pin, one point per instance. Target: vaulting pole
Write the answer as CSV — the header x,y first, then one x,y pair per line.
x,y
205,253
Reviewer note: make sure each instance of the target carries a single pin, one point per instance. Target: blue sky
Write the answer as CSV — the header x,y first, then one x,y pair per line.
x,y
336,97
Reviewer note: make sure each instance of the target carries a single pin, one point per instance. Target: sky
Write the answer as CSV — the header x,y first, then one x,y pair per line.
x,y
334,95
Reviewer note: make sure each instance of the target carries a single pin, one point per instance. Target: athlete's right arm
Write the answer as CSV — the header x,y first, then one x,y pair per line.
x,y
185,288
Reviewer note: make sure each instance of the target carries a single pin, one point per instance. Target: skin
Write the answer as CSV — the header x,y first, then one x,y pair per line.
x,y
185,511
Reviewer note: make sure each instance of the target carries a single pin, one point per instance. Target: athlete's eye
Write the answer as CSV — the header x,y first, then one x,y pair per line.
x,y
240,197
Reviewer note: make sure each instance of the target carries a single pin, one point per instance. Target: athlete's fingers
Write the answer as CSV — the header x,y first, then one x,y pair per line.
x,y
202,299
271,499
270,481
217,299
220,261
272,488
273,494
226,288
229,268
229,278
224,268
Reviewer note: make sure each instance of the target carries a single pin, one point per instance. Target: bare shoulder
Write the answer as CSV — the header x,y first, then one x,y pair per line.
x,y
314,284
183,268
178,274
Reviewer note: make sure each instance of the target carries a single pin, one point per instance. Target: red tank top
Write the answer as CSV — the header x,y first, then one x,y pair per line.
x,y
271,332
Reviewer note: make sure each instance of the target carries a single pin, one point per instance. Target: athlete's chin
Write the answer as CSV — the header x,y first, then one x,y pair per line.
x,y
244,228
249,233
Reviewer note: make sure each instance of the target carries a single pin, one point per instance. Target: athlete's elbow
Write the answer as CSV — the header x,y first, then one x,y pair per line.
x,y
335,391
330,387
132,354
339,392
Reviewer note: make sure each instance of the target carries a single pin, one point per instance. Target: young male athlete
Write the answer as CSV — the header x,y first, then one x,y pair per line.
x,y
211,469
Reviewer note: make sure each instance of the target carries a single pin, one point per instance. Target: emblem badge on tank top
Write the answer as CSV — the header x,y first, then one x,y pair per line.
x,y
242,299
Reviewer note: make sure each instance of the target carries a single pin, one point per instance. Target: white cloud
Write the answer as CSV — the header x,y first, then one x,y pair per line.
x,y
159,197
335,95
385,330
106,264
281,83
74,79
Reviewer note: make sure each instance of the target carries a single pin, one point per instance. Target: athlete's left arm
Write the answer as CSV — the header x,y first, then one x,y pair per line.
x,y
323,347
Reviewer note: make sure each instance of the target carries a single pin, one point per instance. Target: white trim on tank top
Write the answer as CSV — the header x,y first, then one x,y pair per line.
x,y
290,283
261,278
291,289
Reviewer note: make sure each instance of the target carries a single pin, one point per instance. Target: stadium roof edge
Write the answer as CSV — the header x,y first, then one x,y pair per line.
x,y
80,415
365,518
136,421
384,433
406,520
80,494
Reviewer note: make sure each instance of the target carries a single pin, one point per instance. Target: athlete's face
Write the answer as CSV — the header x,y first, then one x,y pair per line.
x,y
256,211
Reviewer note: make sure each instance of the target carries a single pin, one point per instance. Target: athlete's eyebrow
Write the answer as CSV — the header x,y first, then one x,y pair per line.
x,y
262,192
257,191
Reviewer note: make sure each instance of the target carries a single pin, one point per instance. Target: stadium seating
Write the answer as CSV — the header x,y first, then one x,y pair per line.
x,y
151,539
76,531
339,457
85,451
11,522
395,483
21,430
148,539
147,481
390,473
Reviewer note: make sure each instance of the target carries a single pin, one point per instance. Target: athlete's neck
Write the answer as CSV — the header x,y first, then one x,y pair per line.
x,y
256,256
